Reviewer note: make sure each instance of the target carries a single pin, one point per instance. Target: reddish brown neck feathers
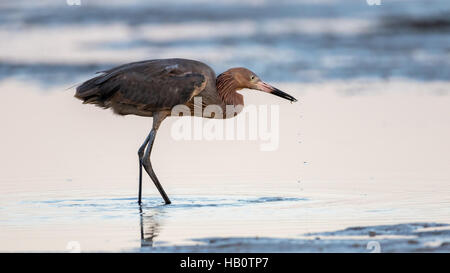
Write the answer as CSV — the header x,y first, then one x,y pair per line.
x,y
226,87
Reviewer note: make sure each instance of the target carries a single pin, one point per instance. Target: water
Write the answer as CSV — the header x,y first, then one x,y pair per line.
x,y
363,157
57,43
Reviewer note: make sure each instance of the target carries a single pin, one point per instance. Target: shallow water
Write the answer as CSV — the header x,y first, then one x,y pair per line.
x,y
363,157
294,221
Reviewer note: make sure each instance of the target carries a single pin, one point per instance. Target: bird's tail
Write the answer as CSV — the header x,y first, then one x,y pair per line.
x,y
91,92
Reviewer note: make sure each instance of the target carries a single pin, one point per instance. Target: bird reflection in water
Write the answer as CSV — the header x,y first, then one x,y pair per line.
x,y
149,226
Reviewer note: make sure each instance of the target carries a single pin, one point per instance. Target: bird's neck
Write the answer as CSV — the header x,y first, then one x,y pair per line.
x,y
226,87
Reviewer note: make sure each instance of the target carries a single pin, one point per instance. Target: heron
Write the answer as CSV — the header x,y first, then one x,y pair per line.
x,y
152,88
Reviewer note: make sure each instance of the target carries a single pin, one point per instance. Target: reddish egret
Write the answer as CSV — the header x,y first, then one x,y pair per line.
x,y
152,88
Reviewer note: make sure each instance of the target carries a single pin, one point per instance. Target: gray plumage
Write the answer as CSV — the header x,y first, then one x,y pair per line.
x,y
141,88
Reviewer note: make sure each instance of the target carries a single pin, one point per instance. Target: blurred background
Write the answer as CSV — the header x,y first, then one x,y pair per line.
x,y
52,42
366,145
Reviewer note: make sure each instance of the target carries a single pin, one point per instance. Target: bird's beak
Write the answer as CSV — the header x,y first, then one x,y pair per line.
x,y
265,87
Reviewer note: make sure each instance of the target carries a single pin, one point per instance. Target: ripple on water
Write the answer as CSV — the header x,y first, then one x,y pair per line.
x,y
155,202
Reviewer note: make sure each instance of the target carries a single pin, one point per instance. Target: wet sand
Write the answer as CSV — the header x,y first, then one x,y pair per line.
x,y
414,237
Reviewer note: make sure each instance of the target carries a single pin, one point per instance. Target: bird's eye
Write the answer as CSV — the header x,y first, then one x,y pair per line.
x,y
252,77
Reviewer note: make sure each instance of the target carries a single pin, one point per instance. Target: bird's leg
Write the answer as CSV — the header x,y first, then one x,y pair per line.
x,y
157,119
141,155
149,169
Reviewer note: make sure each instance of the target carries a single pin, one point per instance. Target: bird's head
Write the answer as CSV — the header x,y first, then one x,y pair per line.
x,y
245,78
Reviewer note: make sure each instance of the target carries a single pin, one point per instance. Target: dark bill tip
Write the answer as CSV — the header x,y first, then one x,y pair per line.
x,y
281,94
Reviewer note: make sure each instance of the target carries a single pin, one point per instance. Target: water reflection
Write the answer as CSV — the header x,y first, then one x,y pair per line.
x,y
150,227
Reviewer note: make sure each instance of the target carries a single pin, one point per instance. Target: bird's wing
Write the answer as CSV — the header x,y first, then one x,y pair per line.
x,y
147,85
